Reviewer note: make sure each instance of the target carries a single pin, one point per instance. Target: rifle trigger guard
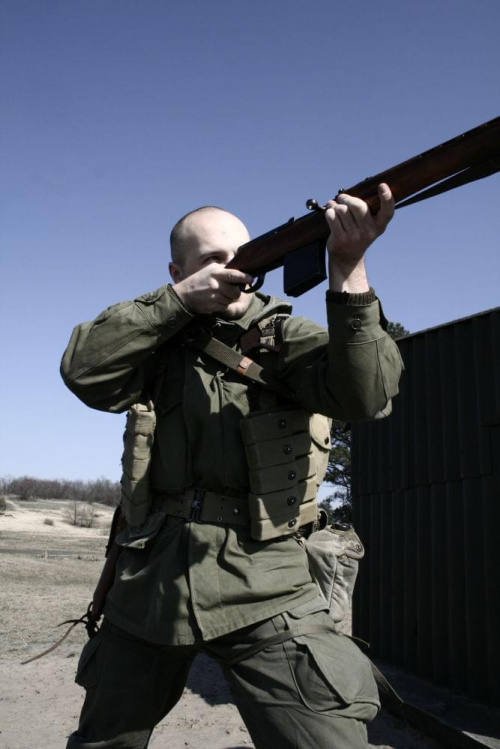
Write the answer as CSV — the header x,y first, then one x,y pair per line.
x,y
256,285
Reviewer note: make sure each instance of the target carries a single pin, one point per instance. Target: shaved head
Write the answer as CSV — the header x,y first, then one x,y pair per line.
x,y
186,228
203,242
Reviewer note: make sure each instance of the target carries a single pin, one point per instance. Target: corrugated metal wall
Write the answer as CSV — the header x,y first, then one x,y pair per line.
x,y
426,490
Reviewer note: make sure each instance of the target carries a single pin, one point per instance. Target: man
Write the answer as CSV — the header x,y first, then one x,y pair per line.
x,y
185,584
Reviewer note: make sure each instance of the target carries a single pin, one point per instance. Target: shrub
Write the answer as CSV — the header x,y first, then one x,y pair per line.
x,y
80,514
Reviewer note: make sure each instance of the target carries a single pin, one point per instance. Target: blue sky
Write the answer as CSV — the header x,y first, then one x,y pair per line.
x,y
119,116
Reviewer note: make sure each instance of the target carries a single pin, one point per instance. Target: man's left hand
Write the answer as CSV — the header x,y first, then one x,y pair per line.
x,y
352,230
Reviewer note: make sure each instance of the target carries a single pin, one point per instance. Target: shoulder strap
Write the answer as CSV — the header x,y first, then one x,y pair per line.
x,y
240,363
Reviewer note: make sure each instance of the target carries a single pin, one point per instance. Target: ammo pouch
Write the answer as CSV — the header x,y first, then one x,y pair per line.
x,y
136,460
287,453
333,555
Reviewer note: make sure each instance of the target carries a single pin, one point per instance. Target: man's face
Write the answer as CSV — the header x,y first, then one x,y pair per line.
x,y
212,238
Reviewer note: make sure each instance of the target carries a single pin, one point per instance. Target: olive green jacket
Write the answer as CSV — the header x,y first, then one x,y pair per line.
x,y
203,580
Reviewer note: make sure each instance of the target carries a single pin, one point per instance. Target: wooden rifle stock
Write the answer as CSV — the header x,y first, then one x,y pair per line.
x,y
299,244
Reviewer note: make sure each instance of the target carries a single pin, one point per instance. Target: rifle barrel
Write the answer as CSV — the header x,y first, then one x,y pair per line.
x,y
475,150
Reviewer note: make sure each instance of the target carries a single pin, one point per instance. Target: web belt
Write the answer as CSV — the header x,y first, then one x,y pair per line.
x,y
204,507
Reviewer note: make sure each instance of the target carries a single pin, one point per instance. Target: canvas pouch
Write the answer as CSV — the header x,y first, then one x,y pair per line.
x,y
136,461
333,554
287,453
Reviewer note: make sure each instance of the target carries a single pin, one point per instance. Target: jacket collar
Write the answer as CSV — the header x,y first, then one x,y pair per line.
x,y
261,306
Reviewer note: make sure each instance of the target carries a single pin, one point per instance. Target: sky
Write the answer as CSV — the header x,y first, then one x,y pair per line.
x,y
119,116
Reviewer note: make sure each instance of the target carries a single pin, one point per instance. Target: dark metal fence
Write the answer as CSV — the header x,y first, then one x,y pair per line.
x,y
426,490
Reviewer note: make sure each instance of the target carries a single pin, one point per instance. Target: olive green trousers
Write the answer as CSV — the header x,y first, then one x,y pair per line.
x,y
311,691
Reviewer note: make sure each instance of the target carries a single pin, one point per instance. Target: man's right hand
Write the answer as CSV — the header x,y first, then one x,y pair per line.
x,y
211,289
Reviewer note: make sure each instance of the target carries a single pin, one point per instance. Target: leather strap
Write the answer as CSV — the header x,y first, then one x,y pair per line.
x,y
203,341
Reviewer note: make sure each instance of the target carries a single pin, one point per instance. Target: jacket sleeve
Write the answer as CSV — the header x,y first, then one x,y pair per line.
x,y
106,362
350,372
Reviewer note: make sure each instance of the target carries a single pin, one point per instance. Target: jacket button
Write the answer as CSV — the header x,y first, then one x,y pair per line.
x,y
356,324
236,511
287,449
282,424
171,322
292,475
291,500
291,523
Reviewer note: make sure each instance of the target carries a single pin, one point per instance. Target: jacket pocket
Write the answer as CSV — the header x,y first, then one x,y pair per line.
x,y
137,536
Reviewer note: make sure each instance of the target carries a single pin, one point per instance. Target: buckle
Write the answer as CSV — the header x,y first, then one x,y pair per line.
x,y
196,505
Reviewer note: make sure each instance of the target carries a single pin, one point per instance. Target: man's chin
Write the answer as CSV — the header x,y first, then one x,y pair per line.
x,y
236,310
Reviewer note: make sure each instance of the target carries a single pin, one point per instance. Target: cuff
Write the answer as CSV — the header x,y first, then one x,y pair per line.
x,y
357,300
349,323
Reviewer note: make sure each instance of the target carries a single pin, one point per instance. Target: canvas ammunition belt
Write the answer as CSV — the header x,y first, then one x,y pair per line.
x,y
204,507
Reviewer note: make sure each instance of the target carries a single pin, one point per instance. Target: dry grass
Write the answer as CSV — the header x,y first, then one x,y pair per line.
x,y
38,593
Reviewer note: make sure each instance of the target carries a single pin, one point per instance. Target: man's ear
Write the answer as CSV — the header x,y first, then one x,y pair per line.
x,y
175,272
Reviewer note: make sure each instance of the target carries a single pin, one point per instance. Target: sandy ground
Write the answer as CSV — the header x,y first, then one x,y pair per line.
x,y
39,702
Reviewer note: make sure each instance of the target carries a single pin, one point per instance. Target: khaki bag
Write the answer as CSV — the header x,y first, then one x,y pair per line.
x,y
333,554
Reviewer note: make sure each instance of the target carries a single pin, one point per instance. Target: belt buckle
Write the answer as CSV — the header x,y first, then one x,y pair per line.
x,y
196,505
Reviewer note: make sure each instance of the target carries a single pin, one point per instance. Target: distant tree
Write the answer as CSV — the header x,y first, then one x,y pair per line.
x,y
338,474
100,490
396,330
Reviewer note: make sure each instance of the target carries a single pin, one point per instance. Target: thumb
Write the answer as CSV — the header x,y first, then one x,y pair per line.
x,y
387,206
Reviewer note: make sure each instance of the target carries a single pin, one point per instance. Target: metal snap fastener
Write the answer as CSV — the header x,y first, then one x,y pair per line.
x,y
236,511
220,518
292,475
356,324
282,424
291,523
291,500
287,449
171,322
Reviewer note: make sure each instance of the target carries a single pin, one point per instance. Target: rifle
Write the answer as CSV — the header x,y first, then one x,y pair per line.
x,y
299,244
